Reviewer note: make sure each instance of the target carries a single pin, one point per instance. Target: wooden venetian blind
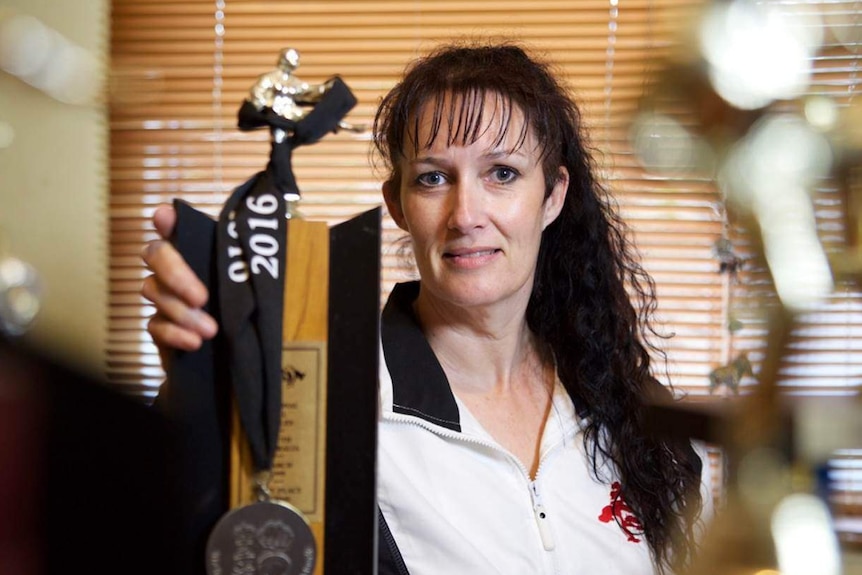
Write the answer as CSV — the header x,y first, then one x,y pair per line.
x,y
182,68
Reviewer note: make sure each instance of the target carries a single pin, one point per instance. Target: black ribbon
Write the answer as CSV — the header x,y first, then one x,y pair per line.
x,y
250,253
251,242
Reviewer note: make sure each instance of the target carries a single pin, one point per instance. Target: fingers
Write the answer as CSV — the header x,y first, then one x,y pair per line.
x,y
169,335
175,291
170,308
173,275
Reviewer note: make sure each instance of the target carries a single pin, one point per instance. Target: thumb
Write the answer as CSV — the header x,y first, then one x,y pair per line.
x,y
165,219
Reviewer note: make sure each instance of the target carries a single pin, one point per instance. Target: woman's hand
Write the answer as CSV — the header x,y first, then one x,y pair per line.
x,y
175,290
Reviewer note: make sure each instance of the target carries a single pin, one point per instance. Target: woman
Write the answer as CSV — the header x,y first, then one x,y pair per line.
x,y
516,372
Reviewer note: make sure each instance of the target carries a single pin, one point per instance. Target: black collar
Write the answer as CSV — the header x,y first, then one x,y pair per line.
x,y
419,385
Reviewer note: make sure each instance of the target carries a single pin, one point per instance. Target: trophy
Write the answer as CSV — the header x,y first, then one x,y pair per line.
x,y
284,400
764,121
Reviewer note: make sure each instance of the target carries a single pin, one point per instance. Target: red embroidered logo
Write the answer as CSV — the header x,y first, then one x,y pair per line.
x,y
620,512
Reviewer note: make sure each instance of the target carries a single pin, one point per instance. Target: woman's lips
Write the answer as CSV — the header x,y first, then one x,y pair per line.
x,y
472,257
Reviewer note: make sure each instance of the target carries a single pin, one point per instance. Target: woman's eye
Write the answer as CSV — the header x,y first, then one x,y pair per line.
x,y
503,174
431,179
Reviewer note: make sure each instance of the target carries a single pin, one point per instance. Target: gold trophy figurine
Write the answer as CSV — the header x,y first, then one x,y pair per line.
x,y
297,113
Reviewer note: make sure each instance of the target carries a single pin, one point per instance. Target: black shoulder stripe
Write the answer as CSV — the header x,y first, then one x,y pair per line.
x,y
419,385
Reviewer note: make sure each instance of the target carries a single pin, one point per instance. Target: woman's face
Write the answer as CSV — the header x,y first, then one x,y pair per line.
x,y
475,212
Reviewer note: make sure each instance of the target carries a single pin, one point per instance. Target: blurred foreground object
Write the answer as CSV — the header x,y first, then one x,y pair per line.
x,y
45,59
736,104
54,166
20,293
89,478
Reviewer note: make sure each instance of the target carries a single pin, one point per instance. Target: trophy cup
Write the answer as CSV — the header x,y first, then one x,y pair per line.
x,y
284,400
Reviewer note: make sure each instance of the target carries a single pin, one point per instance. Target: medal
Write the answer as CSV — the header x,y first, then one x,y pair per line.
x,y
267,538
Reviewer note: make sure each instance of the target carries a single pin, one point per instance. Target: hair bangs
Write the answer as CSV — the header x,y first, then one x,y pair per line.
x,y
465,116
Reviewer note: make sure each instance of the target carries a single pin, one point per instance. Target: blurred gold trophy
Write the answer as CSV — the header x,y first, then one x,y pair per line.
x,y
742,73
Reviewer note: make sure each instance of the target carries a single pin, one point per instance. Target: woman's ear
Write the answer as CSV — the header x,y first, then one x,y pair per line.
x,y
392,197
554,202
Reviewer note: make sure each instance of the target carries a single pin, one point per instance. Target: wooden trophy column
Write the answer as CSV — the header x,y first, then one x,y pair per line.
x,y
324,461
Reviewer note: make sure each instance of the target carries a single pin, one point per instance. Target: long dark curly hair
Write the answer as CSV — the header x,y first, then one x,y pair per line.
x,y
592,302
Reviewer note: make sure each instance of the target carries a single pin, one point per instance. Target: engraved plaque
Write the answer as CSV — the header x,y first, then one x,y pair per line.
x,y
298,474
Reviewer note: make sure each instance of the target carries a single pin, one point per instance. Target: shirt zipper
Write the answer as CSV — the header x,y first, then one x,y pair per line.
x,y
539,511
541,517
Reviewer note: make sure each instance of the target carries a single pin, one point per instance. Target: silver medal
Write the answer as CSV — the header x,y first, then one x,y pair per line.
x,y
265,538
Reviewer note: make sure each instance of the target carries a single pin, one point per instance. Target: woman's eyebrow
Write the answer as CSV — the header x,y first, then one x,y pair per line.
x,y
497,154
432,160
490,155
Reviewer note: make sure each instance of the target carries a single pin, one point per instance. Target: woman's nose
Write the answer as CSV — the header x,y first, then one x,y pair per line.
x,y
466,209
